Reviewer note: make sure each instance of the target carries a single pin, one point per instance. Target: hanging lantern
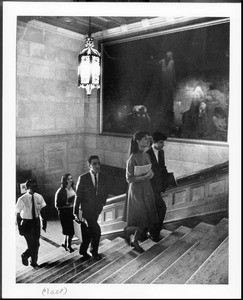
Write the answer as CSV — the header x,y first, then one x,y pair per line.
x,y
89,66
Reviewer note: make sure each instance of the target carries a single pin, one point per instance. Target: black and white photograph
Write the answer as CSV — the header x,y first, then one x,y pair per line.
x,y
121,150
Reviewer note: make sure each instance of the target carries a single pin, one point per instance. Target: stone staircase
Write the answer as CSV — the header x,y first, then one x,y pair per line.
x,y
196,255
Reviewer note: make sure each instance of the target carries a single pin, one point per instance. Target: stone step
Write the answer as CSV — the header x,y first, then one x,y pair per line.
x,y
46,257
53,259
117,263
103,267
163,260
63,266
104,241
41,261
191,260
79,265
127,270
164,233
23,269
215,268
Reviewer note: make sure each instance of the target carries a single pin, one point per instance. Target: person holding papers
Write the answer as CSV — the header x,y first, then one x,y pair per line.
x,y
140,210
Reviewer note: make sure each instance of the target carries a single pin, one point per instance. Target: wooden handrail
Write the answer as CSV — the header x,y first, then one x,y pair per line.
x,y
184,180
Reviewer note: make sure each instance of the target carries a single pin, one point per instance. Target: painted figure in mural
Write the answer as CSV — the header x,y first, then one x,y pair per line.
x,y
92,192
64,200
197,121
220,123
203,121
140,210
189,120
158,181
168,84
28,211
138,119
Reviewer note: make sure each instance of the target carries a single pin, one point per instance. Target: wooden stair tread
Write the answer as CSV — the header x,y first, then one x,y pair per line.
x,y
29,270
107,258
215,268
114,262
81,265
51,262
63,268
164,259
180,271
23,269
48,256
55,264
165,232
104,241
117,263
184,256
137,263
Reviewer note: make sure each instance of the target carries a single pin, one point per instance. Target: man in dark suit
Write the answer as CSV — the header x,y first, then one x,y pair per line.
x,y
159,180
92,192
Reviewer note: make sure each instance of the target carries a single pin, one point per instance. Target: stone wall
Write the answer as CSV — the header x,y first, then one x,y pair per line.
x,y
50,107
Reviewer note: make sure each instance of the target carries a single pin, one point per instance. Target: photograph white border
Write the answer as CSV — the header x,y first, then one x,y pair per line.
x,y
9,287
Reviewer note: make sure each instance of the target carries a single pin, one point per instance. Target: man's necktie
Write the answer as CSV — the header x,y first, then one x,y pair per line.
x,y
96,184
33,207
160,158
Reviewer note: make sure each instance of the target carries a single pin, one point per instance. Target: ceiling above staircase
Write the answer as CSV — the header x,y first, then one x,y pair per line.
x,y
81,24
102,27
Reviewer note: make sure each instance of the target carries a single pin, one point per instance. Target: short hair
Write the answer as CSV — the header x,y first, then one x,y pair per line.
x,y
30,182
92,157
159,136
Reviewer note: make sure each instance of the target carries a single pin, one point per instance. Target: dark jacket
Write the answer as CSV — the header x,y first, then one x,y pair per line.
x,y
61,198
91,204
159,180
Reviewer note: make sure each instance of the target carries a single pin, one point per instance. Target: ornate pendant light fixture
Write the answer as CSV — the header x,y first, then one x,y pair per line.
x,y
89,65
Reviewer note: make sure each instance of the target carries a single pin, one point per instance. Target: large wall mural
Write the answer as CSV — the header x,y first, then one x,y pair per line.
x,y
175,82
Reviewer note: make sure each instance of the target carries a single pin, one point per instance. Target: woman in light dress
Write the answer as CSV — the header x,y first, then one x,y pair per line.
x,y
140,210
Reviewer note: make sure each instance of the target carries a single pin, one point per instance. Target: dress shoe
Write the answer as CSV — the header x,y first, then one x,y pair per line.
x,y
155,239
126,236
143,237
64,246
96,256
34,265
85,255
70,249
24,260
127,239
136,246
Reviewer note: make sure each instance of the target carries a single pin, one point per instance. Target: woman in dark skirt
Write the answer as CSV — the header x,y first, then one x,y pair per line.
x,y
64,200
